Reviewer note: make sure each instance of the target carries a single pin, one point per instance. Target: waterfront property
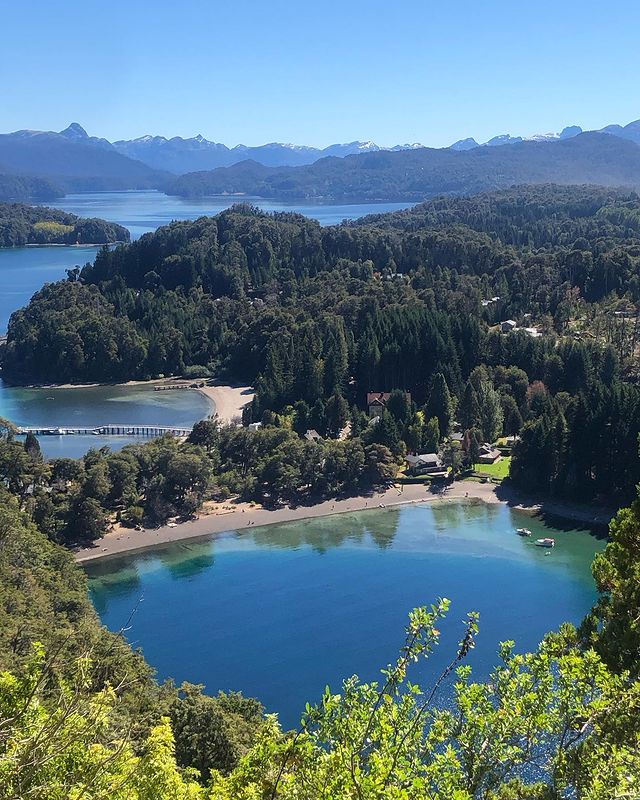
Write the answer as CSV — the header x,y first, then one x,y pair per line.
x,y
426,464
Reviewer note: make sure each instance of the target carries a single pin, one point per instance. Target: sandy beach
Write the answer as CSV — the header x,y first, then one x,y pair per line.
x,y
236,517
229,400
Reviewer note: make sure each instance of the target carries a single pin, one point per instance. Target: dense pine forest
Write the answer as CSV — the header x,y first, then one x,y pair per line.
x,y
409,302
21,224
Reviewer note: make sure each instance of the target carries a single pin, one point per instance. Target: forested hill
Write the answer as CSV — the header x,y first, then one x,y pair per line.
x,y
16,188
21,224
308,313
426,172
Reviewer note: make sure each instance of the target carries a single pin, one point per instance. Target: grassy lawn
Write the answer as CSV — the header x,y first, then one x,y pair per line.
x,y
498,470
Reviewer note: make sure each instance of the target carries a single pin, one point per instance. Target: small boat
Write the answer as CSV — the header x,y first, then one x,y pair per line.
x,y
546,542
523,532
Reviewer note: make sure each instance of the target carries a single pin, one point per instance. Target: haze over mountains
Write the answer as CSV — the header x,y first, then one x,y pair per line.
x,y
180,155
413,175
45,164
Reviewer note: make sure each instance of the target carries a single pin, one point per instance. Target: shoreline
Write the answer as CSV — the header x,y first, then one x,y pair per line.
x,y
226,400
126,541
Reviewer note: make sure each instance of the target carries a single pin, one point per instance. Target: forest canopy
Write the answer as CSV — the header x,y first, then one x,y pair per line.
x,y
22,224
315,318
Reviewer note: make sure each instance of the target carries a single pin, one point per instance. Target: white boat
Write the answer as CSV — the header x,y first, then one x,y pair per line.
x,y
546,542
523,532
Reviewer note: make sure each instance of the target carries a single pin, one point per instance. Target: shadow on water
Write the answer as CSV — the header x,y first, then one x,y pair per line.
x,y
188,560
280,611
547,513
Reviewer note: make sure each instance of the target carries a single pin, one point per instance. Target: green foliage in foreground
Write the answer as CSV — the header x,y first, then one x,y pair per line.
x,y
82,718
545,725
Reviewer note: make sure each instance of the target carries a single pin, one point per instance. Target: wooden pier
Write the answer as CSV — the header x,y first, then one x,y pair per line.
x,y
106,430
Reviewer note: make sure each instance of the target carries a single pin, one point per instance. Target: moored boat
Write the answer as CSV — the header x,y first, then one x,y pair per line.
x,y
546,542
523,532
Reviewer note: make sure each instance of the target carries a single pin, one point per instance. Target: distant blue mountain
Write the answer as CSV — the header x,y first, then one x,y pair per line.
x,y
630,132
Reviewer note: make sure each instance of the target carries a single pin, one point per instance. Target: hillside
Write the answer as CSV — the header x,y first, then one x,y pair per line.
x,y
74,161
21,224
413,175
18,189
316,318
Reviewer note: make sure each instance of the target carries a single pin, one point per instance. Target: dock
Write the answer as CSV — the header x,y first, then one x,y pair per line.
x,y
105,430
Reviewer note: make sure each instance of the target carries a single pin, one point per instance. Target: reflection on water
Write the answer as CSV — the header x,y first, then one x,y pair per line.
x,y
98,405
280,611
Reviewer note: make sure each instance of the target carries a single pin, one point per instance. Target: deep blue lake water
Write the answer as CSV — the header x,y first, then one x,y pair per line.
x,y
281,611
23,271
144,211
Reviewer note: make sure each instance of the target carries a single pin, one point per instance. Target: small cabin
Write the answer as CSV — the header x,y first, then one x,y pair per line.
x,y
489,454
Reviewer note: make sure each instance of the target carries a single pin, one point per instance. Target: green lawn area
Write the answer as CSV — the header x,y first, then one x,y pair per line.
x,y
498,470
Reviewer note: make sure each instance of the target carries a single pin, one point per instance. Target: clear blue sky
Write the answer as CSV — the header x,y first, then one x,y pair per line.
x,y
319,72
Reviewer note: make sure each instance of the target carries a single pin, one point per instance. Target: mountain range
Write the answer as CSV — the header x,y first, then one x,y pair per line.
x,y
630,131
413,175
45,164
180,155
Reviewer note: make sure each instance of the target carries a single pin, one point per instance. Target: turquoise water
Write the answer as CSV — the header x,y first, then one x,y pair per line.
x,y
278,612
98,405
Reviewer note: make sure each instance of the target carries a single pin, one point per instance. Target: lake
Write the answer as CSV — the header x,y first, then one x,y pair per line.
x,y
23,271
278,612
99,405
144,211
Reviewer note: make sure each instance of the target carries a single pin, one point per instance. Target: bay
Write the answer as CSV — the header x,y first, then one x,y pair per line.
x,y
278,612
25,270
99,405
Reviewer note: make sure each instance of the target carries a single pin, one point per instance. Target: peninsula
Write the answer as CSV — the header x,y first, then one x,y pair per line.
x,y
22,225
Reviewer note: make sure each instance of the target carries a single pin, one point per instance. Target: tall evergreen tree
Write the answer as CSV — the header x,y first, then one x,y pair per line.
x,y
440,404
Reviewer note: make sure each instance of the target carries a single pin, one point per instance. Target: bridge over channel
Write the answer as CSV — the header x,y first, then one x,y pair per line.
x,y
106,430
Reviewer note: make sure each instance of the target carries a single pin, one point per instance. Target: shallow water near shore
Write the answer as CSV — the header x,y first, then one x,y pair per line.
x,y
280,611
99,405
